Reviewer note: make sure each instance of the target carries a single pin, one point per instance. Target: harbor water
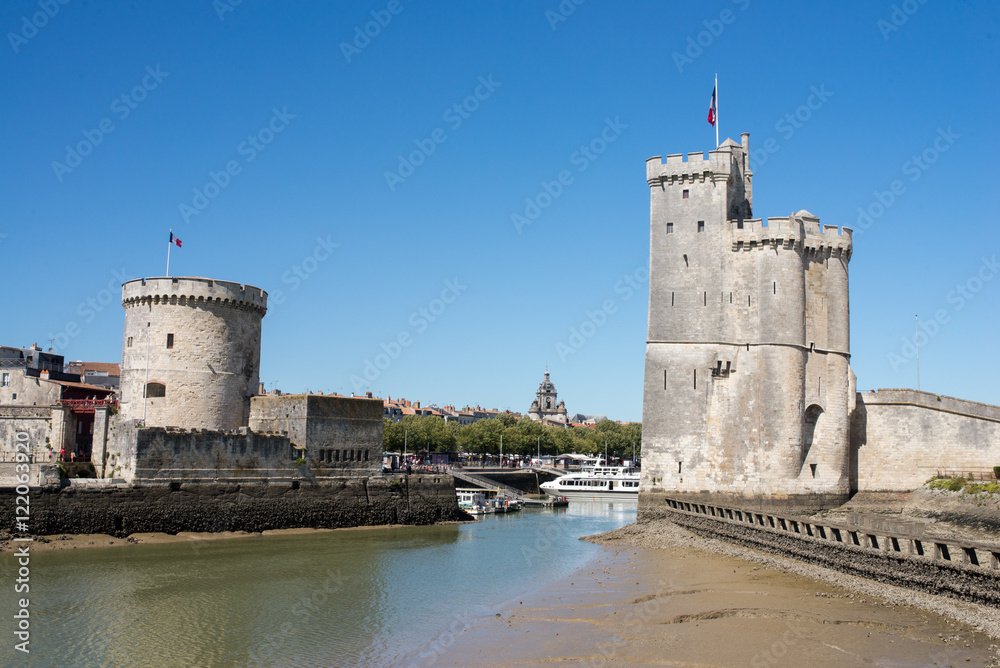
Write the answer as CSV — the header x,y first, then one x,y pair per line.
x,y
367,597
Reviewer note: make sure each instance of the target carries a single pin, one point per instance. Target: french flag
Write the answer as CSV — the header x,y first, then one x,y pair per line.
x,y
712,110
175,240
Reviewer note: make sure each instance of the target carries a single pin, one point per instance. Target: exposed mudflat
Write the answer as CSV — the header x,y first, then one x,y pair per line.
x,y
661,596
662,534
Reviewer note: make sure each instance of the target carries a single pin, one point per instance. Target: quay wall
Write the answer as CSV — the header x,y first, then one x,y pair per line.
x,y
171,507
889,552
902,438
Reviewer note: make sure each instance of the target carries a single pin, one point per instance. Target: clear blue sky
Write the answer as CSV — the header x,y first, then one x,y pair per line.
x,y
553,85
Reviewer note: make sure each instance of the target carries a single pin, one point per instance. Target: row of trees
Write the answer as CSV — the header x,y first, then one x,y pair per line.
x,y
524,436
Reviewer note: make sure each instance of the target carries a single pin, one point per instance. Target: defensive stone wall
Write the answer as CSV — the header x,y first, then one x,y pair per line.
x,y
333,433
212,456
120,510
901,438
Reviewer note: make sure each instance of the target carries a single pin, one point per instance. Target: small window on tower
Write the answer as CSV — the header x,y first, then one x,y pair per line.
x,y
670,228
685,194
701,225
154,390
170,340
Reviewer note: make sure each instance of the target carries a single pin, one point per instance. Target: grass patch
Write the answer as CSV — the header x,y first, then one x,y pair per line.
x,y
964,485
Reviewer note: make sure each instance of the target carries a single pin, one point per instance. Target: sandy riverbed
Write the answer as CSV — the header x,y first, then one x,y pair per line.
x,y
660,596
75,541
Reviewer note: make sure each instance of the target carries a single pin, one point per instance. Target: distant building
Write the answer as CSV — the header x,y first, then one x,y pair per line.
x,y
544,407
54,408
104,374
397,409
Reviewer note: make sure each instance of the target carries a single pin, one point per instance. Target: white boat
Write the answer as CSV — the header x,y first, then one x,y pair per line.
x,y
472,501
597,481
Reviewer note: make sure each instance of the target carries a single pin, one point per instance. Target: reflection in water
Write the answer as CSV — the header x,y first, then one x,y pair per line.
x,y
362,597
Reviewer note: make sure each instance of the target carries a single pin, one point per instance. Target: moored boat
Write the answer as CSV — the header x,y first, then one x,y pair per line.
x,y
596,481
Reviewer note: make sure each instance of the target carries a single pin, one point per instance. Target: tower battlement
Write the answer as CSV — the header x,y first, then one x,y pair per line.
x,y
800,231
678,169
192,291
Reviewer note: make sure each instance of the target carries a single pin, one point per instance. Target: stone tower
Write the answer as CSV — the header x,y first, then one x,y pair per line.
x,y
194,343
748,388
544,405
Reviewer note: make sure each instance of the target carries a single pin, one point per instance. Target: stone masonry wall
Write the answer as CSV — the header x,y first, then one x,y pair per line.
x,y
336,433
902,438
36,421
197,455
120,510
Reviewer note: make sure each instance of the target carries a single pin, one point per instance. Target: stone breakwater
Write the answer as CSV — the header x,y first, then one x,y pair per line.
x,y
121,510
933,576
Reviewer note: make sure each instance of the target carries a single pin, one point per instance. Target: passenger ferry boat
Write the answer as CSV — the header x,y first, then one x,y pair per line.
x,y
597,481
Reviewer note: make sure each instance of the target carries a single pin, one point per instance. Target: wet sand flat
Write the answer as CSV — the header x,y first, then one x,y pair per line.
x,y
680,605
74,541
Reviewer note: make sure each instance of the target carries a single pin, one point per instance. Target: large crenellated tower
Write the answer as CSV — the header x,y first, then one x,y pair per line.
x,y
191,352
748,388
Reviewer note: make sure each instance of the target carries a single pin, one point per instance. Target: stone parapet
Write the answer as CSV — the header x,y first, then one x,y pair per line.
x,y
936,402
192,291
791,233
696,167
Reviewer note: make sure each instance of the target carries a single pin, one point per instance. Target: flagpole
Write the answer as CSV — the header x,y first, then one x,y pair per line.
x,y
169,244
716,110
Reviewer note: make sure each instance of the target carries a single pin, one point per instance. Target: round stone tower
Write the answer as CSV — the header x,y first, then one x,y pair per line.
x,y
191,352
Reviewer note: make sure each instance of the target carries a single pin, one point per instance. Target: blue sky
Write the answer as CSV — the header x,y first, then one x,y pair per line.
x,y
310,128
